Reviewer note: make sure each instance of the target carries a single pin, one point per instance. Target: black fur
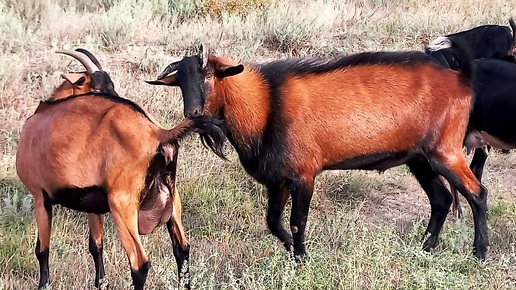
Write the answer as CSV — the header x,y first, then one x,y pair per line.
x,y
47,203
278,70
494,84
266,155
101,82
439,196
493,76
487,41
96,253
140,276
92,199
191,75
44,276
213,135
379,161
42,256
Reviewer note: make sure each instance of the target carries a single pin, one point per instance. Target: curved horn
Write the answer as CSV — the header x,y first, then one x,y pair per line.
x,y
171,68
203,54
91,56
85,60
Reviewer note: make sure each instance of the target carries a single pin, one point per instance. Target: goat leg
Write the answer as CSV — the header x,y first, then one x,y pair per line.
x,y
43,213
180,245
301,191
439,198
96,224
453,166
277,199
125,218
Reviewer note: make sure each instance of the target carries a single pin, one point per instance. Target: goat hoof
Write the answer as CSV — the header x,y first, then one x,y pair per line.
x,y
104,284
45,287
480,254
430,244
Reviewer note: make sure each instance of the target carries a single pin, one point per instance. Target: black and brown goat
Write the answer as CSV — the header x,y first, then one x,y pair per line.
x,y
90,150
291,119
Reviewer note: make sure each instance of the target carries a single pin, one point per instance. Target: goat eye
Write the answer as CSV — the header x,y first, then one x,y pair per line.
x,y
209,76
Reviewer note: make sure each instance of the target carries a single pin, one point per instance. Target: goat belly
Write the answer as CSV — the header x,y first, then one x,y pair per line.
x,y
92,199
155,209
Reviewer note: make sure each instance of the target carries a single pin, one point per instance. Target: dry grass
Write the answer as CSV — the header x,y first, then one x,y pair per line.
x,y
364,228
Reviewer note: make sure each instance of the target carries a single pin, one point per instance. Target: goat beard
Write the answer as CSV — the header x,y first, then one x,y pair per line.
x,y
215,138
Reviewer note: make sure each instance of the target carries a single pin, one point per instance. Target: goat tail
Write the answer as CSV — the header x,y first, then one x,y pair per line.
x,y
211,130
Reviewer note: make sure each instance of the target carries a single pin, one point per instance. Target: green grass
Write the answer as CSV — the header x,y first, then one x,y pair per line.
x,y
364,229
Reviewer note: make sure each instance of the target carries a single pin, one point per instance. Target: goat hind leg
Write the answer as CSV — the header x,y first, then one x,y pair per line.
x,y
454,167
278,197
125,218
477,166
43,213
456,208
95,245
180,244
439,198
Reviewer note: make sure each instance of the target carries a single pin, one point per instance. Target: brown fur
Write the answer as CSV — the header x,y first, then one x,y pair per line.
x,y
329,119
71,87
415,107
95,141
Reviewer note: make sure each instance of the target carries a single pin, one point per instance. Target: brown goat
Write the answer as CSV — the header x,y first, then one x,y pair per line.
x,y
90,150
291,119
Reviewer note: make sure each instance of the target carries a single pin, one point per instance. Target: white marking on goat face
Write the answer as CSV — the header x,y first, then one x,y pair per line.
x,y
439,43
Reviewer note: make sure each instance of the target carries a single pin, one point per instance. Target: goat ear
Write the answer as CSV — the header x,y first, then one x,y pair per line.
x,y
168,151
166,81
228,70
74,78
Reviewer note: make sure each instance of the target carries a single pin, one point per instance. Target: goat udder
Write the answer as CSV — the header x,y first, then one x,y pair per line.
x,y
156,209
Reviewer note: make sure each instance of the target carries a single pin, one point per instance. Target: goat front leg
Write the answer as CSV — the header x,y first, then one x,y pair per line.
x,y
301,191
43,213
180,245
124,211
96,243
278,197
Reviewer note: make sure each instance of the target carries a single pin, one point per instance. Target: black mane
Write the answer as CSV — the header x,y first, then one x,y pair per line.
x,y
304,66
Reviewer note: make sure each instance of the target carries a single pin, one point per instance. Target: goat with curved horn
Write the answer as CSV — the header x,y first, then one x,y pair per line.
x,y
83,58
91,56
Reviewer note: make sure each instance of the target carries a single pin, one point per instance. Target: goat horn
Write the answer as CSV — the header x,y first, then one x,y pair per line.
x,y
203,54
91,56
84,59
171,68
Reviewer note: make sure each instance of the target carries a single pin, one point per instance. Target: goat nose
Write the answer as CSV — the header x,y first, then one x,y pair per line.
x,y
196,112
